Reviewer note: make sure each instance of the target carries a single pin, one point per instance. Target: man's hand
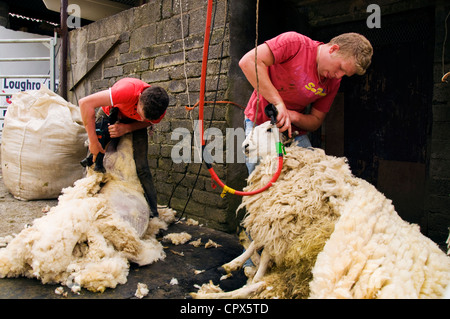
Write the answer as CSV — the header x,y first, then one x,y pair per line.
x,y
95,148
118,129
283,119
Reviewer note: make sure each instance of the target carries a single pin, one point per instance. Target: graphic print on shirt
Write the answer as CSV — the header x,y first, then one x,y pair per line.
x,y
312,87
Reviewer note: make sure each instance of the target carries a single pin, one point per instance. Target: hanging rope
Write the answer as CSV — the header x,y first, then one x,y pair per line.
x,y
194,128
202,102
444,75
184,53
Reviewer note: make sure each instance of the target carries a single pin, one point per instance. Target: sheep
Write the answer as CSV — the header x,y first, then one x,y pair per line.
x,y
99,225
261,137
261,142
325,233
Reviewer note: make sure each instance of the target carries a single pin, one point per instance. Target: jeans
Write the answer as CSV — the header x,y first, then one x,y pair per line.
x,y
301,140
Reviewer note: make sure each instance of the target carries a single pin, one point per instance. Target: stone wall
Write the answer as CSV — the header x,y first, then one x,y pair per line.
x,y
149,45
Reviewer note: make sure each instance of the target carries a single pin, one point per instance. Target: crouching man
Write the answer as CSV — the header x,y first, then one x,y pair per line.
x,y
140,106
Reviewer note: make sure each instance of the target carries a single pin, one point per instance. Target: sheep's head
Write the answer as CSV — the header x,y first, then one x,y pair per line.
x,y
260,142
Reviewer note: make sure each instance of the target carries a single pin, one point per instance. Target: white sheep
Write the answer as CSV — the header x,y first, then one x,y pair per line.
x,y
259,143
327,234
88,239
262,142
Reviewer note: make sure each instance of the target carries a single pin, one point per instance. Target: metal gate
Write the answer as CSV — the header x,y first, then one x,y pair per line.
x,y
50,43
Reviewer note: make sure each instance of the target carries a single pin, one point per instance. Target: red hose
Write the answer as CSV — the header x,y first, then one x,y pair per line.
x,y
201,110
241,193
204,65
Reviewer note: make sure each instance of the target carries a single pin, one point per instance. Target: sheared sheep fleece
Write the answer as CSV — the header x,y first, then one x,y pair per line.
x,y
88,239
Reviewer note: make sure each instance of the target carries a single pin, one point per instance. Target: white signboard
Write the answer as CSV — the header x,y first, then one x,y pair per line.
x,y
15,69
13,85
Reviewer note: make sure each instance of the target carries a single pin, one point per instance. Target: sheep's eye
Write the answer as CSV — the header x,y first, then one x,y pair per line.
x,y
269,129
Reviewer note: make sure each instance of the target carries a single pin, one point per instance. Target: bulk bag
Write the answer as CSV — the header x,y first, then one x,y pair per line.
x,y
42,145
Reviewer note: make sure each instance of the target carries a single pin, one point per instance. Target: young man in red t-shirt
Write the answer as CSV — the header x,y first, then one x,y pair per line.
x,y
295,71
140,106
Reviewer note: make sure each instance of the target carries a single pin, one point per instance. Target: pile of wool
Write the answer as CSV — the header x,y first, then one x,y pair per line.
x,y
332,235
98,227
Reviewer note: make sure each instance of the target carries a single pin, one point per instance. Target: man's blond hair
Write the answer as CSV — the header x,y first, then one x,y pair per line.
x,y
357,46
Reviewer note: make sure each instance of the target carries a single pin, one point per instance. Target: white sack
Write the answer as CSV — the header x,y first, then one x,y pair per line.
x,y
42,145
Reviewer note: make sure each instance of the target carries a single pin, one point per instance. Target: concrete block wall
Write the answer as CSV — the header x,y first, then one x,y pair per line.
x,y
153,49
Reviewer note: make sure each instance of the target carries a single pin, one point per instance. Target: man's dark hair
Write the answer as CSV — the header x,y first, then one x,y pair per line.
x,y
155,101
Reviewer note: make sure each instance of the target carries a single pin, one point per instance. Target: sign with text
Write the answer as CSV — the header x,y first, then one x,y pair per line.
x,y
13,85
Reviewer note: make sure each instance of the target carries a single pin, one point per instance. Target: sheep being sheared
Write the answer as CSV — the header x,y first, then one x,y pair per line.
x,y
98,226
264,138
327,234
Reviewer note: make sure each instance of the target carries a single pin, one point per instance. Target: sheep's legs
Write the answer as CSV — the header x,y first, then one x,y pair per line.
x,y
248,290
242,293
263,264
237,263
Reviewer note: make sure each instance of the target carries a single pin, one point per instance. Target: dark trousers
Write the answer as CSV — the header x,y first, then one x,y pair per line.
x,y
140,153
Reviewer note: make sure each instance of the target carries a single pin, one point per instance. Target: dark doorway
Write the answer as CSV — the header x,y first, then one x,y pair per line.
x,y
384,117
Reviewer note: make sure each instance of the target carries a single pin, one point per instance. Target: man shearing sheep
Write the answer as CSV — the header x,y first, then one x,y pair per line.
x,y
295,71
140,106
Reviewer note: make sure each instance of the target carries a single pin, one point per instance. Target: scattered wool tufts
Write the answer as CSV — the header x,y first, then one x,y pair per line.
x,y
90,237
196,243
141,290
59,290
177,253
327,234
191,222
205,291
212,243
178,238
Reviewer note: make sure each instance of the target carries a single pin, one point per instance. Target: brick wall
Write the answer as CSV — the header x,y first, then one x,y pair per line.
x,y
150,48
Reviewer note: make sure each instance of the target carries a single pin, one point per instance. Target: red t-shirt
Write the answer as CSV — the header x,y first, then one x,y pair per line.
x,y
294,75
124,94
